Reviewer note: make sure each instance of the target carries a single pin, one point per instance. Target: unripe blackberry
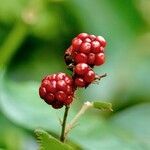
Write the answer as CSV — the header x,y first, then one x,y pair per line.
x,y
86,48
83,75
57,90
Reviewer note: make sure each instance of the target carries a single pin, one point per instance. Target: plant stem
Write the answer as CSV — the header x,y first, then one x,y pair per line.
x,y
62,137
85,106
100,76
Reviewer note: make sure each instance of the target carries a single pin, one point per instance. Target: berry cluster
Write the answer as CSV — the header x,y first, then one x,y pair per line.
x,y
87,49
85,52
57,90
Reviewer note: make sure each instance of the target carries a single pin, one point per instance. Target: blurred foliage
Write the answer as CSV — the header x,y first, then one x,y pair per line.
x,y
33,37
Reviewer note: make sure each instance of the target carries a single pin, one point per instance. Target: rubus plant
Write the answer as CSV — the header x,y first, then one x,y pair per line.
x,y
58,90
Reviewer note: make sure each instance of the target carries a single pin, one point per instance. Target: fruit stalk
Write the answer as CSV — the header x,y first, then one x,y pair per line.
x,y
62,136
83,109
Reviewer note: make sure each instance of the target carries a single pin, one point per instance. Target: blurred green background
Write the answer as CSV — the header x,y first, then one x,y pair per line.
x,y
33,37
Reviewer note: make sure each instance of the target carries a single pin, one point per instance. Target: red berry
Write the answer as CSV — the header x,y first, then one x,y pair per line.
x,y
99,59
81,68
91,58
55,89
81,46
76,42
81,58
82,36
79,82
90,76
95,47
85,47
101,40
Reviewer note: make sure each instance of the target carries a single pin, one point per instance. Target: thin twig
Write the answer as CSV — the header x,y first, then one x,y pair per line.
x,y
85,106
104,75
62,137
100,76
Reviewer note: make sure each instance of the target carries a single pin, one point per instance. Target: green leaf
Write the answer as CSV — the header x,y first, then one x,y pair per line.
x,y
47,142
104,106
